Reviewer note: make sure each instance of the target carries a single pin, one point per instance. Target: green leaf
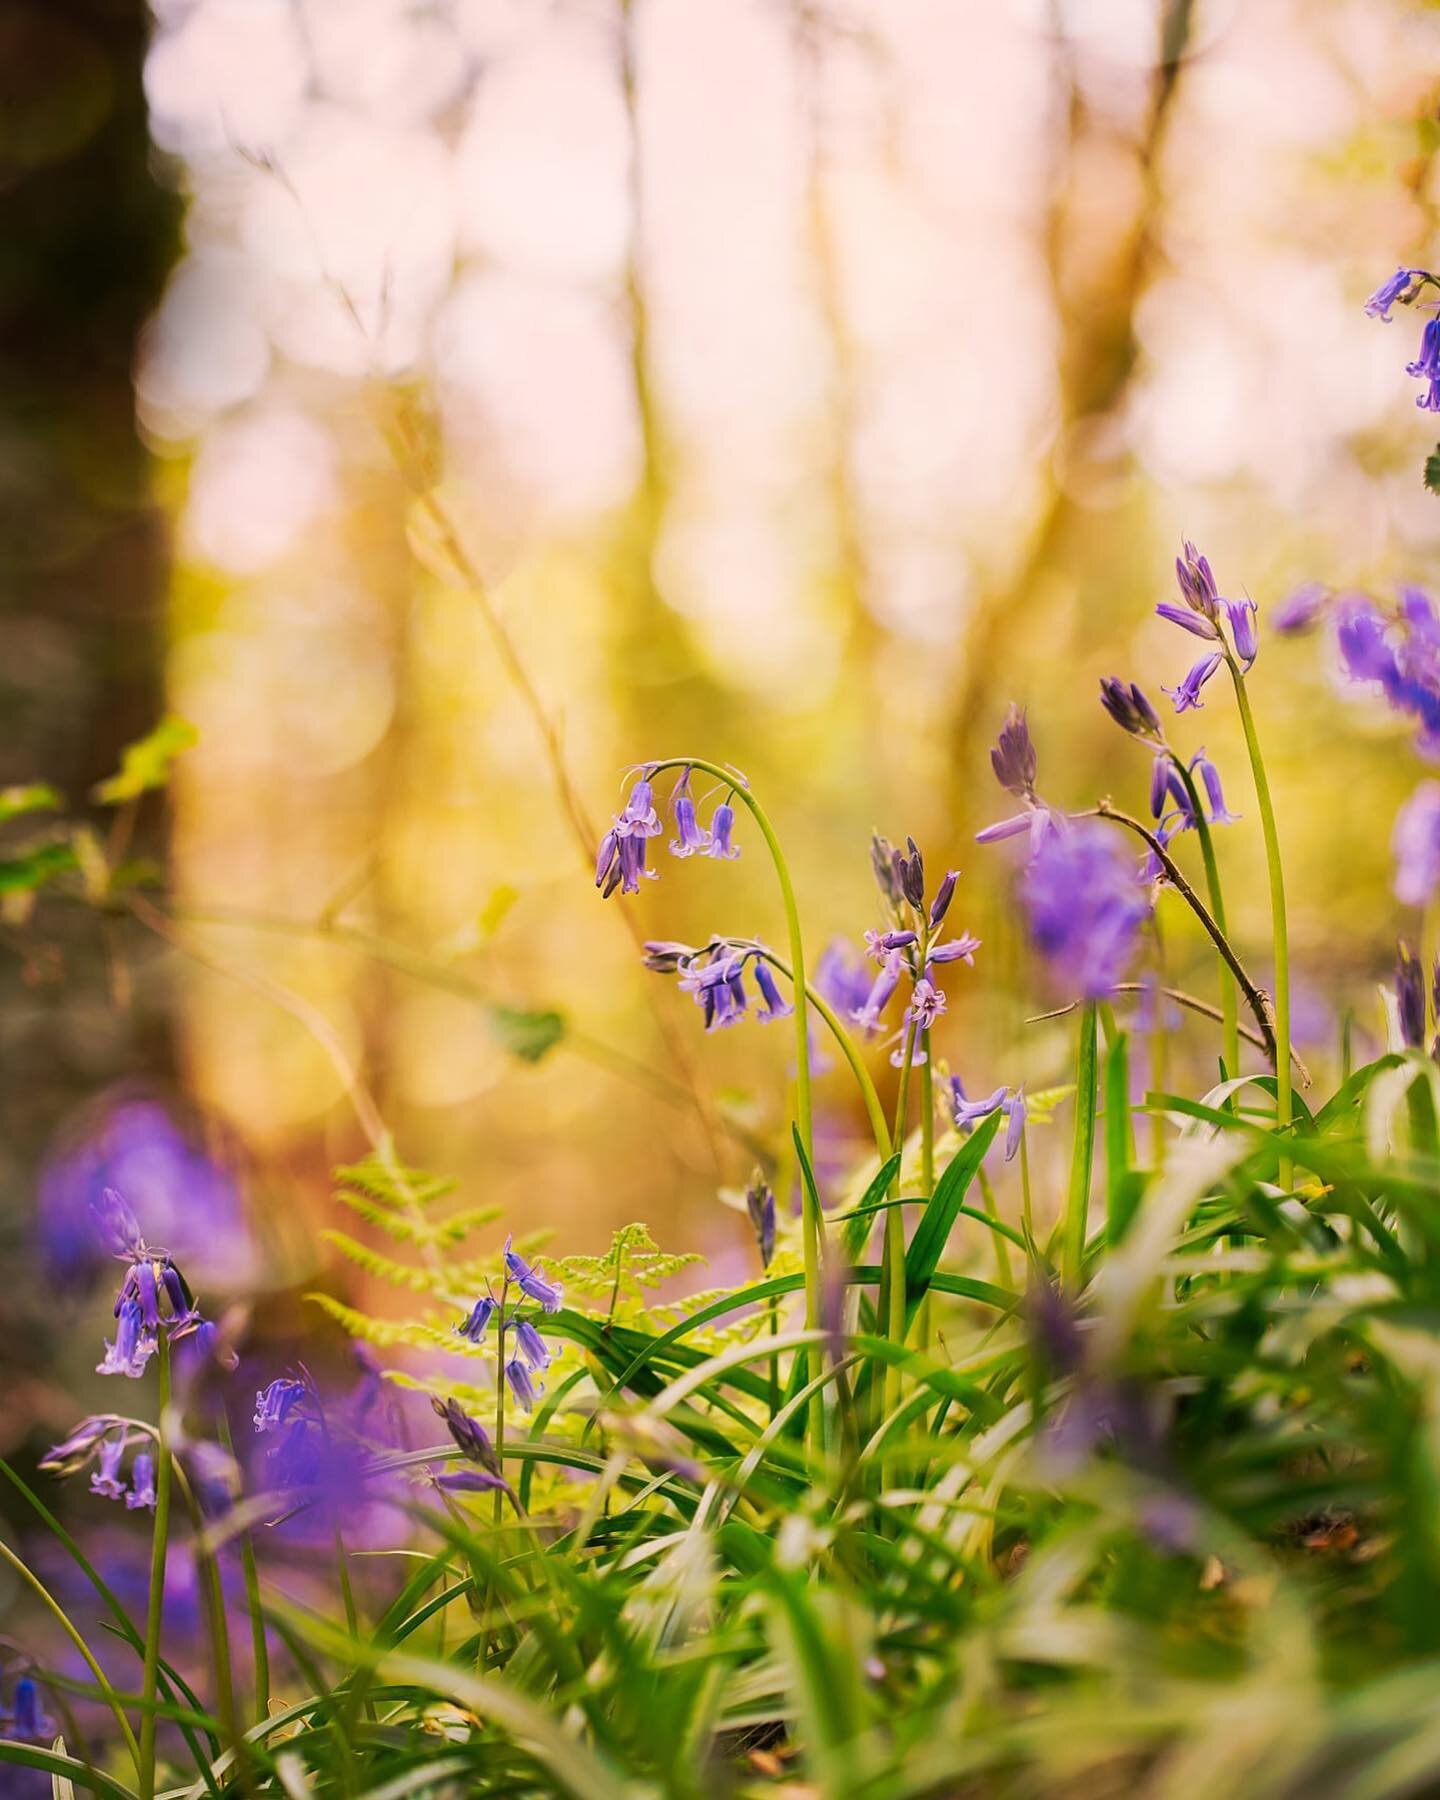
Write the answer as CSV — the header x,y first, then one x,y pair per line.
x,y
24,874
857,1225
145,764
933,1232
1432,470
1082,1155
38,796
528,1035
1122,1193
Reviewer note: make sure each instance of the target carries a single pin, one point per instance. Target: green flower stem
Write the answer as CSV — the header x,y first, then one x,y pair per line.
x,y
1229,997
250,1573
869,1093
1078,1204
892,1262
53,1606
927,1166
803,1111
155,1614
218,1630
1278,925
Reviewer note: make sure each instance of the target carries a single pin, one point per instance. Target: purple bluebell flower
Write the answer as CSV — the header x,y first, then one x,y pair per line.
x,y
1298,611
214,1476
722,824
471,1437
760,1204
1013,759
1396,291
274,1404
546,1294
1209,775
1160,773
1085,907
1426,366
475,1324
471,1481
944,894
1128,706
1410,995
718,986
960,949
867,1015
910,874
1197,583
1196,623
691,835
621,859
776,1005
518,1380
28,1720
1242,616
927,1003
72,1453
1015,1115
882,864
142,1482
968,1113
1187,695
1416,845
533,1349
1360,633
842,978
106,1480
133,1346
879,944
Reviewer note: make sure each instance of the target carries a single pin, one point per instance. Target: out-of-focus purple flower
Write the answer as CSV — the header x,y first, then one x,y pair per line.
x,y
1410,995
961,949
72,1453
132,1348
1416,844
534,1351
722,824
142,1482
1195,623
760,1204
1016,1112
927,1002
867,1015
1297,612
275,1404
1360,633
1128,706
1187,695
879,944
776,1005
518,1380
214,1476
546,1294
106,1480
944,894
28,1719
1085,907
1400,289
477,1322
1426,367
116,1223
1013,759
1243,629
882,865
1209,775
842,978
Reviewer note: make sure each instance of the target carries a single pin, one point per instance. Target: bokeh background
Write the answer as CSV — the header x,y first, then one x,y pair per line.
x,y
444,406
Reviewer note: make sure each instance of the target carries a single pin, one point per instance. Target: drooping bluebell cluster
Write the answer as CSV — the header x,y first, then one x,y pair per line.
x,y
1205,614
1009,1101
621,861
104,1440
1086,904
531,1354
151,1278
1404,288
714,975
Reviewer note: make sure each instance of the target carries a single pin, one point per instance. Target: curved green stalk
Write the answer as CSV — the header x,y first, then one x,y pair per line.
x,y
869,1093
155,1612
1082,1153
1279,928
1229,998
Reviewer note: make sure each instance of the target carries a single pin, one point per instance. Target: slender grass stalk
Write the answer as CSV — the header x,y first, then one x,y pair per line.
x,y
927,1165
1278,924
159,1543
893,1258
1229,997
1078,1201
250,1574
217,1627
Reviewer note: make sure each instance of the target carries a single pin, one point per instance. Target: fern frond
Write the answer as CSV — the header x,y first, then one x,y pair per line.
x,y
385,1268
393,1185
384,1334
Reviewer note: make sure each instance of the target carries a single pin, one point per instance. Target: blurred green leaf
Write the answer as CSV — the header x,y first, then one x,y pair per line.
x,y
37,796
528,1035
1432,470
146,764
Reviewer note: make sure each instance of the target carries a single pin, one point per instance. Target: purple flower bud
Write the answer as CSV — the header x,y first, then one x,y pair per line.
x,y
142,1482
1197,583
1397,290
882,863
721,826
1006,828
470,1481
968,1113
692,836
133,1346
1416,845
1297,612
546,1294
470,1436
1188,621
867,1017
960,949
760,1204
1187,695
106,1480
517,1379
879,944
1160,773
910,872
72,1453
1243,629
944,894
1202,766
1128,706
664,956
776,1006
476,1323
1410,995
1013,758
29,1721
275,1404
532,1347
116,1223
605,861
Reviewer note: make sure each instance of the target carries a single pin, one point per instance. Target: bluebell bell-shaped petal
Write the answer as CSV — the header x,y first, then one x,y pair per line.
x,y
1013,758
532,1347
29,1720
776,1005
107,1480
521,1384
639,818
1006,828
1187,620
133,1346
1242,616
275,1404
1015,1114
477,1321
546,1294
879,944
722,826
1209,775
116,1223
968,1113
142,1482
944,894
1396,290
927,1003
1187,695
959,949
471,1481
760,1205
691,835
867,1016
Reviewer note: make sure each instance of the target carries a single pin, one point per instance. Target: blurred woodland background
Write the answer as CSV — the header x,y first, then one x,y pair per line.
x,y
443,406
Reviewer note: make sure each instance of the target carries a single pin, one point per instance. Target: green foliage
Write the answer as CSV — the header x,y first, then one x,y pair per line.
x,y
527,1035
624,1274
1432,470
146,764
38,796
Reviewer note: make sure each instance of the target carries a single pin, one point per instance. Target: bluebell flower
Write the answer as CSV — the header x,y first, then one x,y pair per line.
x,y
1085,908
142,1482
72,1453
1361,635
518,1380
1201,766
28,1719
719,988
116,1224
621,859
691,835
471,1437
1196,623
1197,583
927,1003
1410,995
882,864
471,1481
760,1204
1015,1115
910,873
969,1113
776,1006
477,1322
960,949
1013,758
1416,846
1398,290
1128,706
534,1351
1243,629
867,1015
213,1474
1426,366
275,1404
106,1480
133,1346
722,824
879,944
546,1294
842,978
944,894
1187,695
1298,611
